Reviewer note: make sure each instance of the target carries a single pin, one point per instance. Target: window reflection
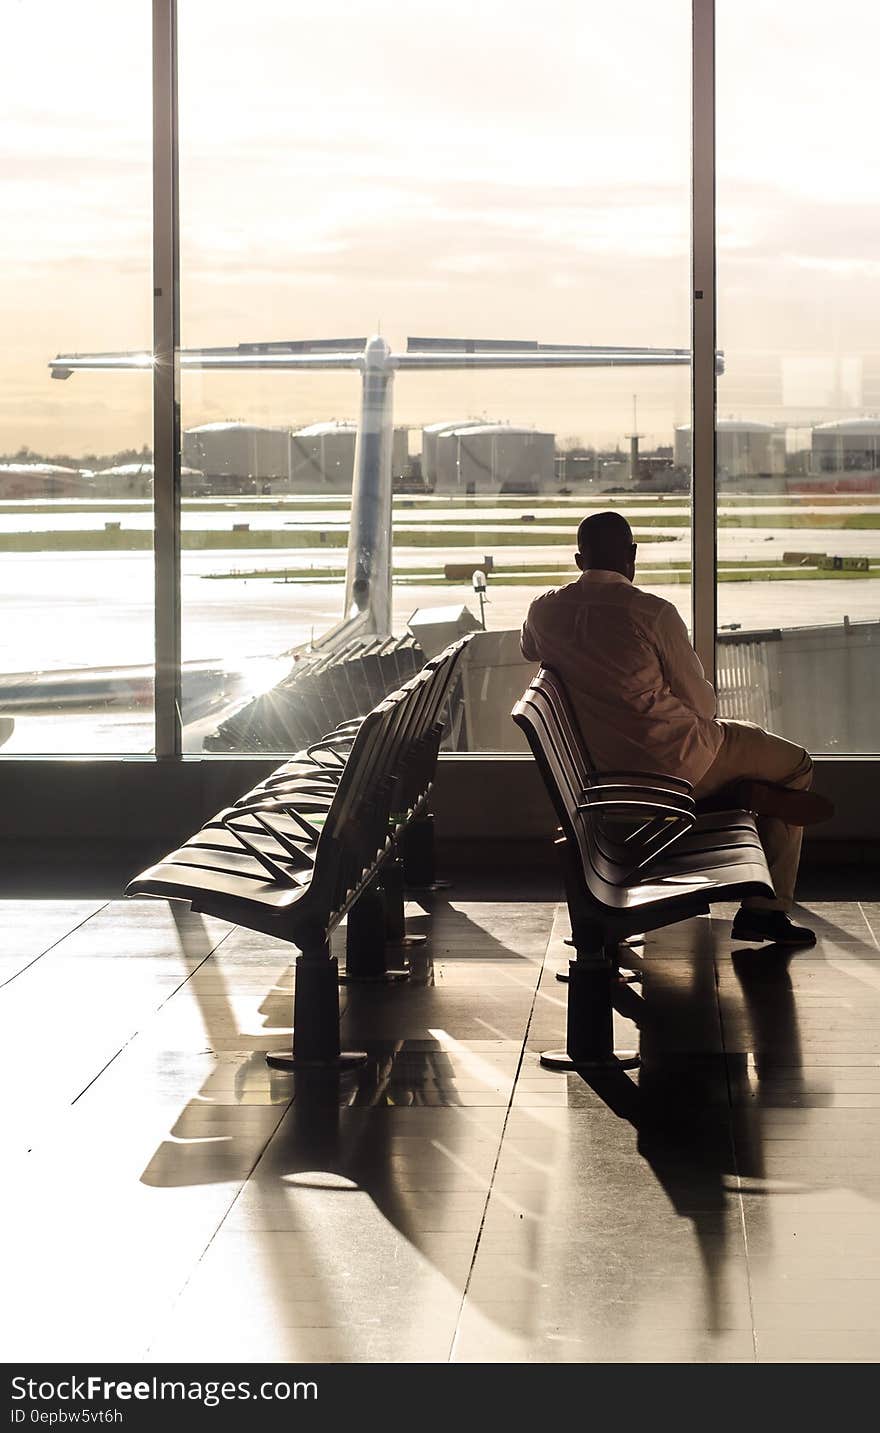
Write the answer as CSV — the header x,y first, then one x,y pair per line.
x,y
798,470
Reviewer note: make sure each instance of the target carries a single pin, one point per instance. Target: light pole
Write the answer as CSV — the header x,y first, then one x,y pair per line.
x,y
479,584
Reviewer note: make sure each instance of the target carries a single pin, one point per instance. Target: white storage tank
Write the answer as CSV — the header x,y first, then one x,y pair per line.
x,y
44,480
239,457
322,457
495,458
399,452
430,436
744,448
849,445
135,480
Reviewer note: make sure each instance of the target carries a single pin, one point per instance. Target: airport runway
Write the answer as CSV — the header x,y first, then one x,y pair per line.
x,y
89,609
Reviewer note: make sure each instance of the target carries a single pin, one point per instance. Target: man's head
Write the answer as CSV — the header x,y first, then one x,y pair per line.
x,y
605,540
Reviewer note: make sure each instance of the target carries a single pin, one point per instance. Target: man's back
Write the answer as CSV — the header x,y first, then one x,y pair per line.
x,y
634,680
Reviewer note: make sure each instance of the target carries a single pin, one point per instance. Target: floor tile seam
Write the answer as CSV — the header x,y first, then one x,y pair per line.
x,y
732,1109
59,941
175,1301
523,1050
150,1015
191,973
871,931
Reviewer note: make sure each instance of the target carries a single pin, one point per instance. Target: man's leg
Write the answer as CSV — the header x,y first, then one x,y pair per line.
x,y
747,752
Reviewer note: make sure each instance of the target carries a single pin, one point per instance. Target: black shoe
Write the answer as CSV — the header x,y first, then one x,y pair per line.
x,y
770,925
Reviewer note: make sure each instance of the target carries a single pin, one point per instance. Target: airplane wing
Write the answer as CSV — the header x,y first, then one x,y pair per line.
x,y
511,345
445,353
68,363
421,354
295,353
542,358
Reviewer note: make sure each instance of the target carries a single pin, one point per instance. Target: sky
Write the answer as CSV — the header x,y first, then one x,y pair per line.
x,y
498,170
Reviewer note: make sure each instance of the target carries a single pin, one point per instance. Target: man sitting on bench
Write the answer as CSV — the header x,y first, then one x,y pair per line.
x,y
643,703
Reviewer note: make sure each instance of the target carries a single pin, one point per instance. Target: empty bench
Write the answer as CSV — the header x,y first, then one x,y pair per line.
x,y
637,857
312,842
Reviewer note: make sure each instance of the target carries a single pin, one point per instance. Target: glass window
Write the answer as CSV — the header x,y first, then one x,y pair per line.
x,y
799,402
435,171
76,580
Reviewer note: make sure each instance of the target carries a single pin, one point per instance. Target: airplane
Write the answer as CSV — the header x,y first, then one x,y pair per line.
x,y
367,601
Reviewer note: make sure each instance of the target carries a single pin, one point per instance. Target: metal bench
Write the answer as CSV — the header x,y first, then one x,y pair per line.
x,y
313,842
637,856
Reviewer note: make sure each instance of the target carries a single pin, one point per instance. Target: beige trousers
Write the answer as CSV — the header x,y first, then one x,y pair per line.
x,y
748,752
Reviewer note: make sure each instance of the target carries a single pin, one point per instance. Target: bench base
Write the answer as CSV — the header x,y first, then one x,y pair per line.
x,y
345,1060
623,977
380,977
561,1060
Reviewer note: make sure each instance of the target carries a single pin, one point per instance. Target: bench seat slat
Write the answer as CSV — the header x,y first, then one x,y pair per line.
x,y
221,838
217,859
193,883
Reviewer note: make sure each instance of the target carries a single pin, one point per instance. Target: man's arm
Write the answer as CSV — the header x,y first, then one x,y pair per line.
x,y
527,643
682,667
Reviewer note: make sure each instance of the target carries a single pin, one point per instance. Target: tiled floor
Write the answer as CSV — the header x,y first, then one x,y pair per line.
x,y
168,1197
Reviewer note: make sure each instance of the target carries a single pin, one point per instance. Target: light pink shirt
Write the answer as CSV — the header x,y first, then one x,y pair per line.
x,y
636,683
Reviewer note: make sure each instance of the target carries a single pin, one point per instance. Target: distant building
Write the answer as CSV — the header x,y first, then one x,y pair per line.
x,y
744,448
44,480
135,480
240,457
430,436
323,454
322,458
494,458
850,445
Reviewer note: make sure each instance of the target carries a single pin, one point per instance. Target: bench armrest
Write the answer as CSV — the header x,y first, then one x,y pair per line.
x,y
270,805
281,873
323,780
620,799
637,778
320,782
648,798
336,747
660,823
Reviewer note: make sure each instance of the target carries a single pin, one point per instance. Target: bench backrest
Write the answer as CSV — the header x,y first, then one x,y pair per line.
x,y
616,824
415,770
542,714
386,776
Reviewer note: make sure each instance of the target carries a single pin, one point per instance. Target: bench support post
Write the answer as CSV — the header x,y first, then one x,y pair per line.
x,y
584,931
590,1022
395,923
623,977
417,852
365,941
316,1017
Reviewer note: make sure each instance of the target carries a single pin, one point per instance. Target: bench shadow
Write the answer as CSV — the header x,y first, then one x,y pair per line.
x,y
678,1103
708,1074
700,1118
313,1137
461,937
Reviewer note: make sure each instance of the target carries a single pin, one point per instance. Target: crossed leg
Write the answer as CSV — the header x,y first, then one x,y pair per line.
x,y
748,752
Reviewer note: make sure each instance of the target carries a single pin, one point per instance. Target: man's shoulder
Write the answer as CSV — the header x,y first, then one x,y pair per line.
x,y
653,608
553,595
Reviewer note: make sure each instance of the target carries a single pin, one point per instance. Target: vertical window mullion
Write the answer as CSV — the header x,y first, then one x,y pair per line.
x,y
703,337
166,396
